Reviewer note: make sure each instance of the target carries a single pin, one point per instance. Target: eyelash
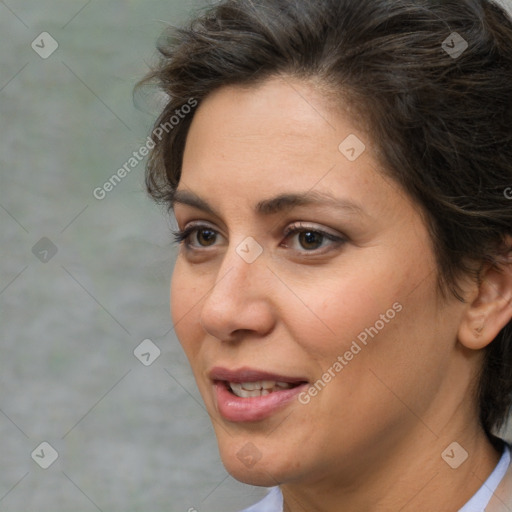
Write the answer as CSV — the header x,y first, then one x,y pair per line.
x,y
181,236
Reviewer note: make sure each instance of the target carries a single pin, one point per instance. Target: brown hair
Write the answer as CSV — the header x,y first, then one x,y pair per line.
x,y
440,113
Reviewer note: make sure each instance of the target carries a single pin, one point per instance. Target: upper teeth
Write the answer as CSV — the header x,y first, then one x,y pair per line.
x,y
257,388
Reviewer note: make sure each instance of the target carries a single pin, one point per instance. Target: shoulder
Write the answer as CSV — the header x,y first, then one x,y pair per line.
x,y
272,502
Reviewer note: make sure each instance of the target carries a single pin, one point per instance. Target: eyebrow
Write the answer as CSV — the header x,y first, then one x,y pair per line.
x,y
281,203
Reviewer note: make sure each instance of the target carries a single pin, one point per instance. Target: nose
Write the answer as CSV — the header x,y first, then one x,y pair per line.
x,y
239,302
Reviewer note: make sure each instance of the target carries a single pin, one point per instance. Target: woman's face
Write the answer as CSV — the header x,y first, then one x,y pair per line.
x,y
327,300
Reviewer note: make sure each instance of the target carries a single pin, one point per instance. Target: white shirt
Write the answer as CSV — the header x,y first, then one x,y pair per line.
x,y
273,501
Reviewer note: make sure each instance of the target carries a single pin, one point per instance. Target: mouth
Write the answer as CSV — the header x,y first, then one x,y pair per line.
x,y
252,395
258,388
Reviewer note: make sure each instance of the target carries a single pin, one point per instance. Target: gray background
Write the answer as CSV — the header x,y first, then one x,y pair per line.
x,y
129,437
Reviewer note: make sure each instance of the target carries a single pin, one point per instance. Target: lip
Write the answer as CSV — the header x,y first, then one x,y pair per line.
x,y
237,409
246,374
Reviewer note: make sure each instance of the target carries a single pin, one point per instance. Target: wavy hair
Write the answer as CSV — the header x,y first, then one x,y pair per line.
x,y
440,114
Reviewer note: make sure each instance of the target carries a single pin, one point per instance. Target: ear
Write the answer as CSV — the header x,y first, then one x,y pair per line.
x,y
491,308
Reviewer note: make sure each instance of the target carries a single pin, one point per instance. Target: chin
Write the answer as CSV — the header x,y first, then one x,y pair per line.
x,y
259,466
254,476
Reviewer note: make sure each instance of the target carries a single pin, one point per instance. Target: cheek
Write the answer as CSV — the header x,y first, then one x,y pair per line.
x,y
391,347
339,308
185,301
383,320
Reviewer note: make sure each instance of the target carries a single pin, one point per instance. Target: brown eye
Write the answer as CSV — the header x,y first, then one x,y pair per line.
x,y
197,237
310,240
206,237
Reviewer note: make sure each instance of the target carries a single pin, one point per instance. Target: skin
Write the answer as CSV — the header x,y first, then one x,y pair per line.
x,y
372,439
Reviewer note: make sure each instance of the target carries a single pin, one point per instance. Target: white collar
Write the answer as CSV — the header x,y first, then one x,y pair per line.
x,y
273,502
481,499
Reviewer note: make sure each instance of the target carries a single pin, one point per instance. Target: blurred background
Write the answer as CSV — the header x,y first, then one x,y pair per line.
x,y
84,276
83,281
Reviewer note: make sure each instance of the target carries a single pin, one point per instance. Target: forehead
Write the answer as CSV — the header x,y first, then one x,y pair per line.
x,y
288,118
249,144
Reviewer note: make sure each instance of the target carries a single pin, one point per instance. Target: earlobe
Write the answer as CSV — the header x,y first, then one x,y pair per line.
x,y
491,310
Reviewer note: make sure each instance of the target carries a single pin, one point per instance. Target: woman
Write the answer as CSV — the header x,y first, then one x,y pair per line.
x,y
343,290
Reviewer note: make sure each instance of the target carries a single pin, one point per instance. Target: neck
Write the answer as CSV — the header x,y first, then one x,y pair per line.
x,y
414,478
